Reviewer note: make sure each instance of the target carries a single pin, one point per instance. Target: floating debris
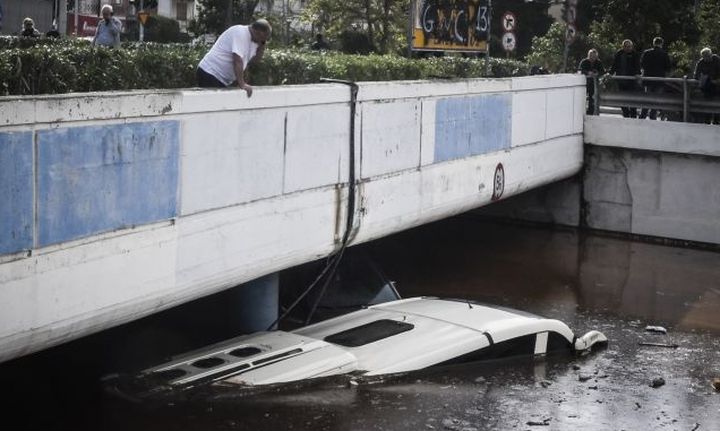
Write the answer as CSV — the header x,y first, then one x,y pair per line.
x,y
657,329
657,382
716,383
584,377
544,423
671,346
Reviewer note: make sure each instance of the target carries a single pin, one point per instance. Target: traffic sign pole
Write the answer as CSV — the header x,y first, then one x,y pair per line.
x,y
489,39
142,23
509,40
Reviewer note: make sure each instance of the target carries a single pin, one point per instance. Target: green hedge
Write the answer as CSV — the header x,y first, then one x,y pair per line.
x,y
50,67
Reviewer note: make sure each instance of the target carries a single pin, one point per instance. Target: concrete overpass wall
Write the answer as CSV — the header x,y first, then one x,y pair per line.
x,y
648,178
653,178
119,205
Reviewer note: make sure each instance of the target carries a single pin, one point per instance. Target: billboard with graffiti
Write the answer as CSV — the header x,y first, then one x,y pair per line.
x,y
450,25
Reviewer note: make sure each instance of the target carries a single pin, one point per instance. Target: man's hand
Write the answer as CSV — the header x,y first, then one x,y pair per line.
x,y
240,74
247,87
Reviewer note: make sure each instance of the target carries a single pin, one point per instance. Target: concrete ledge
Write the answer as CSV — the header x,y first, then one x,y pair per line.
x,y
665,136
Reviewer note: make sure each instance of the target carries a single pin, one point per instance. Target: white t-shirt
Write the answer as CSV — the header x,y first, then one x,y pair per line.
x,y
219,60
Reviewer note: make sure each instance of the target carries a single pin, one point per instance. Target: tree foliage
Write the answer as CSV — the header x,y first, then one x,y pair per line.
x,y
641,21
708,20
214,16
604,24
384,23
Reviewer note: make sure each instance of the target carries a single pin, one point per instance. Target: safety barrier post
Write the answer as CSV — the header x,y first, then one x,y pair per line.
x,y
596,95
686,99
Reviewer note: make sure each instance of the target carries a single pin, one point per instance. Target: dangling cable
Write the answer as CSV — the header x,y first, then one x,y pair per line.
x,y
334,260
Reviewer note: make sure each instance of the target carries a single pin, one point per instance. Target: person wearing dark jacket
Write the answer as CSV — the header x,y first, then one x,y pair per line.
x,y
626,63
707,72
29,29
655,62
592,68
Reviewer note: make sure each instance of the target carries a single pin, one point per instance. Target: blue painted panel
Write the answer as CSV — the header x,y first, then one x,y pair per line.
x,y
16,192
470,126
101,178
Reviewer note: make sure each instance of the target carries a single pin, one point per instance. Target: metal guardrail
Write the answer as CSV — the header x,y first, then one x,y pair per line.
x,y
678,95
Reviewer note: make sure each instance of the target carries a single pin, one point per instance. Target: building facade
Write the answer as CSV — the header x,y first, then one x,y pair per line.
x,y
181,10
43,12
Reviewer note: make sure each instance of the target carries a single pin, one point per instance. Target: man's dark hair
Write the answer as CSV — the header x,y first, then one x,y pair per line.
x,y
658,41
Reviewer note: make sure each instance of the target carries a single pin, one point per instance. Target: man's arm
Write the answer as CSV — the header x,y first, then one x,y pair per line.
x,y
614,66
239,67
581,67
115,26
643,61
258,54
97,31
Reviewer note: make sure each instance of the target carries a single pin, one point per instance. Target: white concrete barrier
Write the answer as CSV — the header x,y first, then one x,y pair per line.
x,y
653,178
124,204
647,178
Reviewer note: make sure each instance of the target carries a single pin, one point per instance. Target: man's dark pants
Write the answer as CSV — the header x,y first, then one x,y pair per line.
x,y
207,80
590,91
627,111
652,88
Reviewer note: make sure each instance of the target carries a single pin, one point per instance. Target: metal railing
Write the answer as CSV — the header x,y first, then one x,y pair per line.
x,y
677,95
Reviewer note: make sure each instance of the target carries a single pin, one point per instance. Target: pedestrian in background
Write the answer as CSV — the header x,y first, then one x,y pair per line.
x,y
655,62
53,32
320,44
592,68
626,63
228,59
29,29
108,29
707,72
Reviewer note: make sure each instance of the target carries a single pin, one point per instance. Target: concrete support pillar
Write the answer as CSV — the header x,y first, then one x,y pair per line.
x,y
255,304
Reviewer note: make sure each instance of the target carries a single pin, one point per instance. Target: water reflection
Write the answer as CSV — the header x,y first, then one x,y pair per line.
x,y
557,271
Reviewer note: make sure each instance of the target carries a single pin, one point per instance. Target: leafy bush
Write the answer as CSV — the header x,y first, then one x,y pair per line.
x,y
68,65
165,30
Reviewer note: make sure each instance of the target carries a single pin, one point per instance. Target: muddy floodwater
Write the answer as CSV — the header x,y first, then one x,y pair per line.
x,y
588,281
